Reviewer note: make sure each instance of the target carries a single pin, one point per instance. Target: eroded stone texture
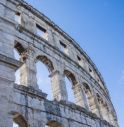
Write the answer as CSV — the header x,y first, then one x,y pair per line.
x,y
37,38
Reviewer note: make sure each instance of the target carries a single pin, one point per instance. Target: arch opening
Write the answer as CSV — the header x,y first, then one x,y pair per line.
x,y
19,121
71,77
44,67
54,124
90,98
103,108
88,95
70,82
18,55
46,62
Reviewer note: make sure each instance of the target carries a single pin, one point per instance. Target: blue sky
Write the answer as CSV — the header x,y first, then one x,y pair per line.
x,y
98,26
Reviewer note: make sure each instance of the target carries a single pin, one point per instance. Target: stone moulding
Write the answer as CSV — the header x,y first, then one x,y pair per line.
x,y
7,60
31,91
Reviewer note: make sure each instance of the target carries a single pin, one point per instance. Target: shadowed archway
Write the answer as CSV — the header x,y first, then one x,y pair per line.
x,y
19,121
54,124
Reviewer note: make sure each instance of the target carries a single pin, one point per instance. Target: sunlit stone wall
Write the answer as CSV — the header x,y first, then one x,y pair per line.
x,y
35,38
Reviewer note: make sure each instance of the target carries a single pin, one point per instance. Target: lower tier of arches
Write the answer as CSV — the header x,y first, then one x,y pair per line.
x,y
30,109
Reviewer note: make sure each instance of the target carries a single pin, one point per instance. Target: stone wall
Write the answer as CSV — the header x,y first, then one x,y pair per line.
x,y
37,38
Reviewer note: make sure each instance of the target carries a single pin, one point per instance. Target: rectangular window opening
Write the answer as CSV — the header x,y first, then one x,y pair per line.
x,y
79,59
18,17
63,48
62,44
90,70
41,32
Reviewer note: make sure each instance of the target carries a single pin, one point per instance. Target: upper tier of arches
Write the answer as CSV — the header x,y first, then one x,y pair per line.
x,y
83,91
42,27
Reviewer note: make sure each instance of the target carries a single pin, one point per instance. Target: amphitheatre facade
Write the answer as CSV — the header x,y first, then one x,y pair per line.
x,y
36,38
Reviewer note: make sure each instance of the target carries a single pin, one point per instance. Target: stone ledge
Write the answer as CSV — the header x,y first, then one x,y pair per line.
x,y
81,109
10,61
53,107
31,91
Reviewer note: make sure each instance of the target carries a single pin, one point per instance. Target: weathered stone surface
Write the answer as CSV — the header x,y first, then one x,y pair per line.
x,y
26,104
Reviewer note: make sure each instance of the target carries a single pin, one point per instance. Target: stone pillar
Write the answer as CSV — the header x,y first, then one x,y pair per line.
x,y
5,97
7,30
58,86
54,39
50,36
113,115
104,111
6,40
101,109
28,71
2,7
80,96
8,67
113,119
94,106
96,109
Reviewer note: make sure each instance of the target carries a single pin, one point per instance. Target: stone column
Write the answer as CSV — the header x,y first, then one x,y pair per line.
x,y
113,115
113,119
6,89
6,40
2,7
105,113
58,86
50,36
54,39
80,96
28,70
8,66
96,105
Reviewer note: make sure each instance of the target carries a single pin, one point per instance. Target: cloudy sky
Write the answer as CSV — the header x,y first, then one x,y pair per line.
x,y
98,26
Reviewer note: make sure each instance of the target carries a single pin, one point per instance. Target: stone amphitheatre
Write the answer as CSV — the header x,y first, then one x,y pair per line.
x,y
36,38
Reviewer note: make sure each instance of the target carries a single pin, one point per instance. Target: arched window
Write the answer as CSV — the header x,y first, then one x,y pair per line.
x,y
88,95
54,124
70,81
103,108
90,99
44,67
19,121
18,51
